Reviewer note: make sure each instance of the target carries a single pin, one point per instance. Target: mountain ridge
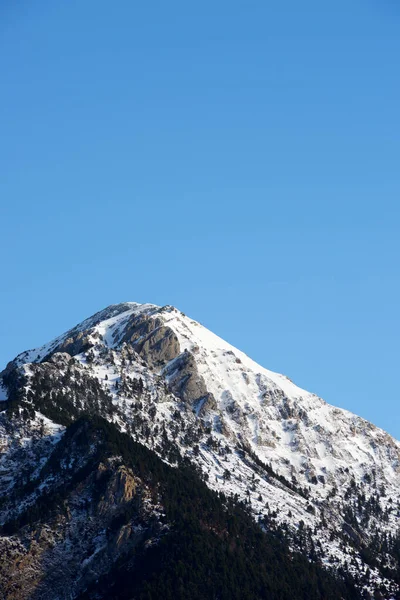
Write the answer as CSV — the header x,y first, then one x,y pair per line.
x,y
181,390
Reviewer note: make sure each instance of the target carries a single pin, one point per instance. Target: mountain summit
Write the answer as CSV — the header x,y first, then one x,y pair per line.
x,y
325,479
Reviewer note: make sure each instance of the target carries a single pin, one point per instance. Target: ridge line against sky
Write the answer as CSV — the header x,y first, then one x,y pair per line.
x,y
237,161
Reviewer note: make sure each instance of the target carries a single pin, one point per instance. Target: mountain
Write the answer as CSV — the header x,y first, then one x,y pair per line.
x,y
319,484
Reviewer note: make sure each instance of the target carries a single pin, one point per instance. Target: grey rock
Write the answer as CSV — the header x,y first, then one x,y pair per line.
x,y
75,344
152,340
60,359
160,347
186,383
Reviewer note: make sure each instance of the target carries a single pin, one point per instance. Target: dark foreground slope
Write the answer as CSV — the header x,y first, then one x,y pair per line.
x,y
105,518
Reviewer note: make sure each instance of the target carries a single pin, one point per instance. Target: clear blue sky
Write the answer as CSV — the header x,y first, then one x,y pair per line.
x,y
239,160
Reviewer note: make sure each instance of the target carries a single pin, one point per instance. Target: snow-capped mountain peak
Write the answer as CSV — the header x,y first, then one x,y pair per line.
x,y
177,387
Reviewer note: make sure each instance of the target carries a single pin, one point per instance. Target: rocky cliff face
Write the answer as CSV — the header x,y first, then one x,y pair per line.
x,y
330,478
70,518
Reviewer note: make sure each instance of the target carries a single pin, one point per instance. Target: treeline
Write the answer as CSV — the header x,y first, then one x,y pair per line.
x,y
214,548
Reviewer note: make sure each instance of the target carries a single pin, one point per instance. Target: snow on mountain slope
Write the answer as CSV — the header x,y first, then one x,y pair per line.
x,y
104,319
240,385
294,459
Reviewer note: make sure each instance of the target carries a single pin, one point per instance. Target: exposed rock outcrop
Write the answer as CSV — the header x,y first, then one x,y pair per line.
x,y
156,343
80,342
185,382
94,514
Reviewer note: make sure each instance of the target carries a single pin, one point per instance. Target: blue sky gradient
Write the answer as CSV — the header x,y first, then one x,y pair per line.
x,y
239,160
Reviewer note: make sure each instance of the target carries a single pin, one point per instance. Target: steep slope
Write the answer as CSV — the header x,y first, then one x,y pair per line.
x,y
329,478
104,517
70,518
